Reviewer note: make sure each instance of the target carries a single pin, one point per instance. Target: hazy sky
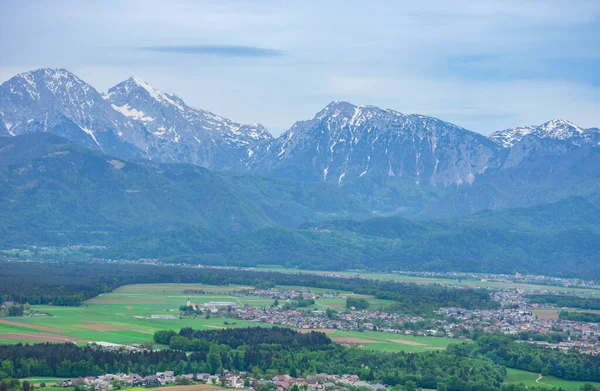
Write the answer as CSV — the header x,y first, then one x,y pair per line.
x,y
483,65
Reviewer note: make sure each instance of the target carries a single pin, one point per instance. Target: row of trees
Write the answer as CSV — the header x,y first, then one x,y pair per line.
x,y
70,284
503,350
262,357
580,316
588,303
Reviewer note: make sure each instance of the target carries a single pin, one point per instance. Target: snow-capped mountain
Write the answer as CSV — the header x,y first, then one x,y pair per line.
x,y
57,101
133,120
344,142
557,129
186,134
508,137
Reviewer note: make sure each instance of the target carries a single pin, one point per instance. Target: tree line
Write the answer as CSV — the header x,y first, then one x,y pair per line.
x,y
262,354
71,284
588,303
503,350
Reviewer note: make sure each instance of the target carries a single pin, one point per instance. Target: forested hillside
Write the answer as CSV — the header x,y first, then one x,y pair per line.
x,y
54,192
554,239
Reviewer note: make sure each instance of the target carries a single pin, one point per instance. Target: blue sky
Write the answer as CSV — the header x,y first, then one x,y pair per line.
x,y
483,65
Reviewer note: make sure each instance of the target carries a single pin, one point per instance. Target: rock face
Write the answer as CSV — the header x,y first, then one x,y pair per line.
x,y
390,161
344,142
58,102
183,133
134,120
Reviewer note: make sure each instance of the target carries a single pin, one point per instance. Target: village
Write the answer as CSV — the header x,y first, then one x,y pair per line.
x,y
226,379
515,317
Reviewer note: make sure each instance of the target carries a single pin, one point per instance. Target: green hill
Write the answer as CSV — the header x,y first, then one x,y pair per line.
x,y
54,192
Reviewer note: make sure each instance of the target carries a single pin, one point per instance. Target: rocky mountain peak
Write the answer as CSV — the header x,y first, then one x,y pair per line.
x,y
344,142
557,129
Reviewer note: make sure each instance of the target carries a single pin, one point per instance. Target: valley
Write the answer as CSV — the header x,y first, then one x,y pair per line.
x,y
299,196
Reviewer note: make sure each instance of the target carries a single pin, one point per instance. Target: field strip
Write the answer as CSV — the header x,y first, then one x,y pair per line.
x,y
129,294
33,327
353,340
103,327
408,342
117,301
43,337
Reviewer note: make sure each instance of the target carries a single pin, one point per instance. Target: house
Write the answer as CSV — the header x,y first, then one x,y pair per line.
x,y
151,381
284,386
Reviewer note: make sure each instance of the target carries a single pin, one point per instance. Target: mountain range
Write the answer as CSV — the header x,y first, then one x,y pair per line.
x,y
57,193
392,163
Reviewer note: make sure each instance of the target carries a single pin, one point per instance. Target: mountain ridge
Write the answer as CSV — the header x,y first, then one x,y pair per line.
x,y
59,102
409,164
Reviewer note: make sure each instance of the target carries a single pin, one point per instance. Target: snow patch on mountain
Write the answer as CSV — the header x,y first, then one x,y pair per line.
x,y
135,114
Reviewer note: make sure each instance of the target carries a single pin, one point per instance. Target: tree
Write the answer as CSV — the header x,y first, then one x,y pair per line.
x,y
182,381
26,386
214,360
410,386
441,387
276,303
7,368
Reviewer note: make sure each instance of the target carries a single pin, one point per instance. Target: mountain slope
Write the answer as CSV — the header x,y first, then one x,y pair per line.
x,y
134,120
186,134
55,192
58,102
344,142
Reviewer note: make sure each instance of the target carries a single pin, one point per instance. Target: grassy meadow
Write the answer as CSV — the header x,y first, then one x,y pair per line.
x,y
124,317
530,379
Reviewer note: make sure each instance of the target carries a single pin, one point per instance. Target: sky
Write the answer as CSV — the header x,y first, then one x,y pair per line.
x,y
483,65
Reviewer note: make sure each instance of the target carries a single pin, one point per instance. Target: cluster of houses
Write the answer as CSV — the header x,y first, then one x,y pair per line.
x,y
318,319
517,278
227,379
517,316
290,294
322,381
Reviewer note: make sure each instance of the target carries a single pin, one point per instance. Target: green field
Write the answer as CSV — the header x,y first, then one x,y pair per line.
x,y
516,376
124,316
389,342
